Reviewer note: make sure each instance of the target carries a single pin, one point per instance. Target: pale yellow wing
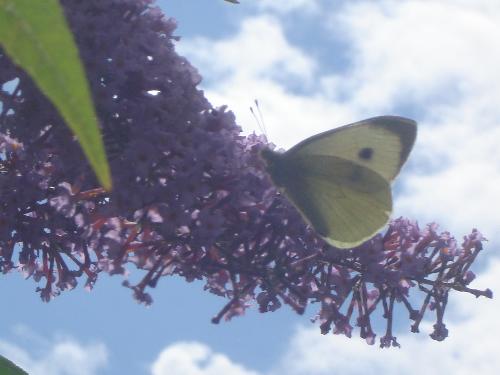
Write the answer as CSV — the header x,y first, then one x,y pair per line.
x,y
381,144
345,203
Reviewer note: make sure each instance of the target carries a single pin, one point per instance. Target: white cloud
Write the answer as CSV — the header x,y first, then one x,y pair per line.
x,y
260,50
429,51
61,356
193,358
286,6
259,62
256,63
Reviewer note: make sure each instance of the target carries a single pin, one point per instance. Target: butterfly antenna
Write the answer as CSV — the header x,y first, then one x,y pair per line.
x,y
257,115
261,117
256,119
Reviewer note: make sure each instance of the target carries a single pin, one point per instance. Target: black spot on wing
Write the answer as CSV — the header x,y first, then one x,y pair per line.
x,y
366,153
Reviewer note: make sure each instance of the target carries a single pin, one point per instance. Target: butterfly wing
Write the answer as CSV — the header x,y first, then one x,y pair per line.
x,y
345,203
381,144
340,179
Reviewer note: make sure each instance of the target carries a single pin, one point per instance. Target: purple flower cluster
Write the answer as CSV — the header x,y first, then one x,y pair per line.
x,y
191,196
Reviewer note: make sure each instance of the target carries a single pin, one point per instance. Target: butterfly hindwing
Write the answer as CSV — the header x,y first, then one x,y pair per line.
x,y
344,202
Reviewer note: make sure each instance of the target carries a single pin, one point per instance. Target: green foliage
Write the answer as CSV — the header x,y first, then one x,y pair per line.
x,y
36,36
9,368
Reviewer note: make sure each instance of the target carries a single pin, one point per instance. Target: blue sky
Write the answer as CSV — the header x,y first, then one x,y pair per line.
x,y
313,65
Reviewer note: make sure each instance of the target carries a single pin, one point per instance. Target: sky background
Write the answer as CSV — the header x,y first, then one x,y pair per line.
x,y
313,65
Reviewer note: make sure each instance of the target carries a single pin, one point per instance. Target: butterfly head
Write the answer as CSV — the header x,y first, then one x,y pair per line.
x,y
275,165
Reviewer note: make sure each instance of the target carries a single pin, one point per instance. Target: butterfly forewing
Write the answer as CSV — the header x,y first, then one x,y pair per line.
x,y
381,144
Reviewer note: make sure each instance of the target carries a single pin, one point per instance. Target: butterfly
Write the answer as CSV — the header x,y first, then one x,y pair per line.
x,y
340,180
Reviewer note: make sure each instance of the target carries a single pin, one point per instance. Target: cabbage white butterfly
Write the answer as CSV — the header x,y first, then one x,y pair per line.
x,y
340,180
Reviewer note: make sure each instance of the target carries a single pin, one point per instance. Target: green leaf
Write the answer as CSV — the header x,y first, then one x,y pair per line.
x,y
34,33
9,368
